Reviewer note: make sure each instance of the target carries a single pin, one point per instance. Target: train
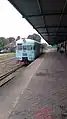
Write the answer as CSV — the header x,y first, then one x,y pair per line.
x,y
27,50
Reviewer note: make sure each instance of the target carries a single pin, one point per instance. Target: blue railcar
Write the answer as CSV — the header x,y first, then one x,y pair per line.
x,y
28,50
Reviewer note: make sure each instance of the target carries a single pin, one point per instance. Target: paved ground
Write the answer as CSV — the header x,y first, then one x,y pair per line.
x,y
11,91
46,91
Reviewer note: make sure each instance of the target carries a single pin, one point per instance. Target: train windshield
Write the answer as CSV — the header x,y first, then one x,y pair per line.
x,y
27,47
24,47
19,46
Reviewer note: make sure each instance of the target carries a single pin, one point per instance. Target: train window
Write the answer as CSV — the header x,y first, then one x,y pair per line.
x,y
24,47
34,47
19,46
29,47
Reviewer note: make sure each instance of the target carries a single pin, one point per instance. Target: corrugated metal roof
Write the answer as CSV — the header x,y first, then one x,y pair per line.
x,y
48,17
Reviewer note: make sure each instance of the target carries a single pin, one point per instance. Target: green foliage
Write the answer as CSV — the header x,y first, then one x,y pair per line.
x,y
35,37
5,41
2,43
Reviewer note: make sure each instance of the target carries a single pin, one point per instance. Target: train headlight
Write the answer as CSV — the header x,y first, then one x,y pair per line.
x,y
30,58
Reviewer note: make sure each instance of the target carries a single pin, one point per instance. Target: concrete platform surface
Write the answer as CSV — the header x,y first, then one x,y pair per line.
x,y
46,92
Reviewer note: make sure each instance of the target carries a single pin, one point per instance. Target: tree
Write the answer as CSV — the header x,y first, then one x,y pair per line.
x,y
18,38
35,37
10,39
2,42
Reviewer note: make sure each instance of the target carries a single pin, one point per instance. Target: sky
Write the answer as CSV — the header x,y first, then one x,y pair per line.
x,y
11,22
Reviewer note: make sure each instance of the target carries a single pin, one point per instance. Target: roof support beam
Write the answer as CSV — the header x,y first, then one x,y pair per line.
x,y
41,11
38,27
61,17
52,32
44,14
57,35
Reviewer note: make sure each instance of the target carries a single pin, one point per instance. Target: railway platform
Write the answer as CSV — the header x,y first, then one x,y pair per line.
x,y
46,94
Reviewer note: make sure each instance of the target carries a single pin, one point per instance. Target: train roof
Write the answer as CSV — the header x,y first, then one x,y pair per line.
x,y
27,40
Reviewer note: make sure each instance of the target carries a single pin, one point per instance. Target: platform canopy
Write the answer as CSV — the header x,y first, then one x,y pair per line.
x,y
48,17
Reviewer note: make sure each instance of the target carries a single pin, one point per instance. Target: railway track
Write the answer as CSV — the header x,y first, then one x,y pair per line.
x,y
4,61
4,78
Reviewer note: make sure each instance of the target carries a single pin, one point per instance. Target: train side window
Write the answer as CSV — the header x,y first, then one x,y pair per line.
x,y
34,47
29,47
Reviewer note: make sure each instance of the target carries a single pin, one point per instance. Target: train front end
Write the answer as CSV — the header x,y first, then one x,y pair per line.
x,y
28,51
25,50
